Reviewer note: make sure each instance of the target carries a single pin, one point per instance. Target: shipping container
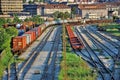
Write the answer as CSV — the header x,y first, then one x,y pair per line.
x,y
36,31
39,31
33,35
28,38
19,43
21,32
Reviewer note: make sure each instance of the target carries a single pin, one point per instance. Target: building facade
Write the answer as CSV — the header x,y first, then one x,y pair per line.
x,y
93,11
49,9
31,8
11,6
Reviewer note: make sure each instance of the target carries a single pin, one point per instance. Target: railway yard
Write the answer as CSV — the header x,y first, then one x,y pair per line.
x,y
42,57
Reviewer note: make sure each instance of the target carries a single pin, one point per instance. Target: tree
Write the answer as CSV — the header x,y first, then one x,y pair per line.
x,y
35,19
66,15
4,39
8,20
16,19
73,10
27,19
30,2
55,14
24,1
61,15
2,21
12,31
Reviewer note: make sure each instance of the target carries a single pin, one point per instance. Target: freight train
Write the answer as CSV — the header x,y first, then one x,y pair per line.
x,y
76,43
20,43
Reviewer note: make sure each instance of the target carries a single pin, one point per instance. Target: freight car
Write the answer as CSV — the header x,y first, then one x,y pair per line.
x,y
76,43
20,43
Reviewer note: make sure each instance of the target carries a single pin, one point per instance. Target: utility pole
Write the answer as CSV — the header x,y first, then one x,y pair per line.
x,y
64,49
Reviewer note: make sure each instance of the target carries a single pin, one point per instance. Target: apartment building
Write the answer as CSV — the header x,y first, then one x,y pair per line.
x,y
93,11
11,6
49,9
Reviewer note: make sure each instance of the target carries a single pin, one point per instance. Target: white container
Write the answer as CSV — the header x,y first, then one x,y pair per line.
x,y
28,38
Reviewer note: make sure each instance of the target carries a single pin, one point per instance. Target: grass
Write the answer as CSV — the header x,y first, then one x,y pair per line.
x,y
76,67
114,32
5,60
112,28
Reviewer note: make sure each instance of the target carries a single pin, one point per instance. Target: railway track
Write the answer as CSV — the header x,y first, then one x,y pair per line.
x,y
105,39
28,63
49,70
90,58
100,62
99,43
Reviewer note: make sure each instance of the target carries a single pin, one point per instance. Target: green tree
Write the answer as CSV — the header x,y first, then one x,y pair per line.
x,y
61,15
2,21
31,2
41,0
12,31
35,19
27,19
16,19
66,15
4,39
55,14
73,10
24,1
8,20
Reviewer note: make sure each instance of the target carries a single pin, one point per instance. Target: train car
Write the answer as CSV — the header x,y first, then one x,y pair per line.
x,y
28,38
76,43
33,35
19,43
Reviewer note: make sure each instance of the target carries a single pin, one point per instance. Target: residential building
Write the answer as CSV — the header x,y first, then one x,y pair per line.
x,y
93,11
11,6
49,9
31,8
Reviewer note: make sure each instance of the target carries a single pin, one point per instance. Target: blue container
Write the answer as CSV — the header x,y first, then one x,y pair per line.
x,y
21,32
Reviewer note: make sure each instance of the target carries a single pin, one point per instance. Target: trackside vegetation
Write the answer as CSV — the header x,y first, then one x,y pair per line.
x,y
113,28
77,68
6,55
